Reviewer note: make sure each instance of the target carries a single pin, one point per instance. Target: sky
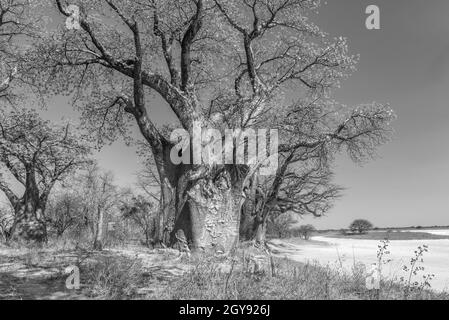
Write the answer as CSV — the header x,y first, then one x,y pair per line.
x,y
406,64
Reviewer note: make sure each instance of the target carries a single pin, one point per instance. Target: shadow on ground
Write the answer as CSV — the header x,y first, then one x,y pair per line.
x,y
39,275
13,287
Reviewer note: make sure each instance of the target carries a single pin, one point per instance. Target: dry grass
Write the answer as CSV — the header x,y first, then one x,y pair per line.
x,y
250,275
287,280
112,278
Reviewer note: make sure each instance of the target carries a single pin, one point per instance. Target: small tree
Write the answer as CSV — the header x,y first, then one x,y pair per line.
x,y
65,211
361,226
143,213
306,231
102,199
281,226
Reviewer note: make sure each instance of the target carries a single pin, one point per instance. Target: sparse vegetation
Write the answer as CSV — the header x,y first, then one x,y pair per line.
x,y
280,227
292,281
203,64
248,275
113,278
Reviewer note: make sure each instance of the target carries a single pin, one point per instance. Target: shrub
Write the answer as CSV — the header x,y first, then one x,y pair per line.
x,y
280,226
113,278
306,231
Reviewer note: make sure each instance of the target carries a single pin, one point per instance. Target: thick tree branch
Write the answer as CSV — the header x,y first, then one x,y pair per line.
x,y
186,44
183,107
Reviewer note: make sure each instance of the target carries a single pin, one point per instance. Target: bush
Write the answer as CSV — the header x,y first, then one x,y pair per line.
x,y
306,231
280,226
114,278
361,226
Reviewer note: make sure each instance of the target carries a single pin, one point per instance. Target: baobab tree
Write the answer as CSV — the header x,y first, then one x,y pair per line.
x,y
214,64
36,154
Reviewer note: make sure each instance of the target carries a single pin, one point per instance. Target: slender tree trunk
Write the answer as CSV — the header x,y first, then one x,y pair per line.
x,y
98,242
167,213
246,232
147,238
260,231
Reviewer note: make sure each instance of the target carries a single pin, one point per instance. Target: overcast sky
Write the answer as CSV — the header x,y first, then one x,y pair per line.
x,y
406,64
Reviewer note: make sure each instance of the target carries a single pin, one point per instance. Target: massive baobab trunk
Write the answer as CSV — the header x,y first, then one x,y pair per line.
x,y
29,221
201,200
214,211
207,209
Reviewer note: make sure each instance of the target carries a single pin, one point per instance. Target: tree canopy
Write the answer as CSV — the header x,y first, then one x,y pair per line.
x,y
213,64
36,154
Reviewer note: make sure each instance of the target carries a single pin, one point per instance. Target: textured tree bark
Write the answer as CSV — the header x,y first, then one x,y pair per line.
x,y
260,231
205,207
168,177
208,212
166,214
246,222
214,216
29,222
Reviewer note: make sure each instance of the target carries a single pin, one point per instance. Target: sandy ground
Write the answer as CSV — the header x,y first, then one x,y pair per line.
x,y
40,275
435,232
343,253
